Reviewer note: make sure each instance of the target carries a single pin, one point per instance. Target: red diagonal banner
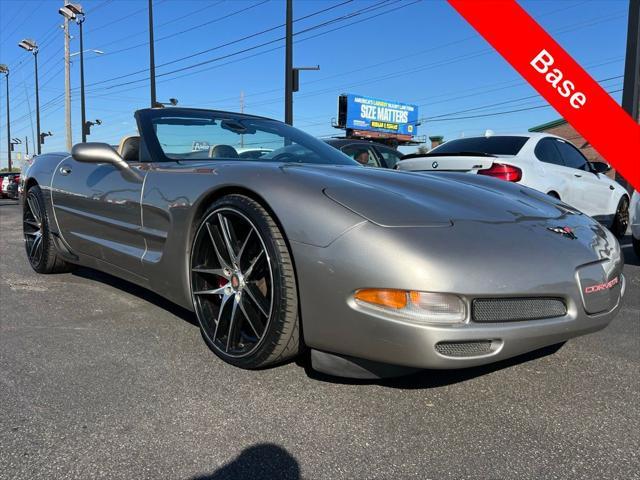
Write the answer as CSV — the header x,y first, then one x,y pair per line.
x,y
559,79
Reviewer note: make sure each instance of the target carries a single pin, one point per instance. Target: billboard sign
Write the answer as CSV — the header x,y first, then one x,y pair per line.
x,y
373,114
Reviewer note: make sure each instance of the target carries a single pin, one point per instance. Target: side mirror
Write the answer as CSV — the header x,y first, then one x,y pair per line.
x,y
95,152
600,167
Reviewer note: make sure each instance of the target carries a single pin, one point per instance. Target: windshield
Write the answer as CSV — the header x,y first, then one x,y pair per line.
x,y
506,145
214,135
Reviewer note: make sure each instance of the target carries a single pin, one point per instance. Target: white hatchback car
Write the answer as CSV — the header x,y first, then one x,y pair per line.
x,y
541,161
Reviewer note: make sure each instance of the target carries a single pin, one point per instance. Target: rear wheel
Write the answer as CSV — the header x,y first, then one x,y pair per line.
x,y
621,219
38,241
243,285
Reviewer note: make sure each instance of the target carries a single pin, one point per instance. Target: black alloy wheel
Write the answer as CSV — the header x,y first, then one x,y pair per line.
x,y
243,286
32,229
38,240
621,219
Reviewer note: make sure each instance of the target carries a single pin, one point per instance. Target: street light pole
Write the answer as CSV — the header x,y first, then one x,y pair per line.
x,y
72,11
288,65
80,21
4,69
31,46
35,57
152,61
67,87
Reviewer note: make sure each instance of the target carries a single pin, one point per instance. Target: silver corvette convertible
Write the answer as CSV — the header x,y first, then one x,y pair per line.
x,y
374,271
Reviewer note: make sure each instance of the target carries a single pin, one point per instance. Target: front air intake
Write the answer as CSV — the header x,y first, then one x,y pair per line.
x,y
473,348
516,309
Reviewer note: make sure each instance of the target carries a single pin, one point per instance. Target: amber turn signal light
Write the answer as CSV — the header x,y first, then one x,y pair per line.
x,y
418,307
383,297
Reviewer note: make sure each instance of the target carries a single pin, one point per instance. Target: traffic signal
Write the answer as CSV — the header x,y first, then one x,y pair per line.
x,y
43,135
88,124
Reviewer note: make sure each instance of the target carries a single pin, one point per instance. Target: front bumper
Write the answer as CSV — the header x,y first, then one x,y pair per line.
x,y
332,322
411,345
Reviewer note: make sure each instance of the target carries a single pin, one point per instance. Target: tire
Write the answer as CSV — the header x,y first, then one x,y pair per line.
x,y
243,285
39,246
621,219
636,246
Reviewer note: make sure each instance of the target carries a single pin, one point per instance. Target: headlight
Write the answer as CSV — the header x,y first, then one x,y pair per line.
x,y
418,307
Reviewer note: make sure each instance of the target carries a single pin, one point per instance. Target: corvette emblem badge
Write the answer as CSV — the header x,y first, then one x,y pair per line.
x,y
564,231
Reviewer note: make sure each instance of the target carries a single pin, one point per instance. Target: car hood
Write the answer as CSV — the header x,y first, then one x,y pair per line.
x,y
407,199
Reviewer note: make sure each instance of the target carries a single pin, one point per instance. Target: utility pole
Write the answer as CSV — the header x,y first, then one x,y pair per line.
x,y
241,111
67,87
4,69
288,65
35,57
631,87
291,73
152,61
83,119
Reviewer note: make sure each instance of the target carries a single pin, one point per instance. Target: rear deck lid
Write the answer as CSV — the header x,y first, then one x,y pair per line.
x,y
448,163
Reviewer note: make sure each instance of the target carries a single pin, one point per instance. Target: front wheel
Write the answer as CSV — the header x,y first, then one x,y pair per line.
x,y
621,219
243,285
38,239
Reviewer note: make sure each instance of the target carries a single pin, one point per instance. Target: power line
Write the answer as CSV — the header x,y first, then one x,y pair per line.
x,y
350,15
412,70
24,19
503,102
494,114
190,29
394,60
218,46
177,19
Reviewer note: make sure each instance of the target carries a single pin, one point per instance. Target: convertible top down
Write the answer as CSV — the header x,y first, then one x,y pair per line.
x,y
375,271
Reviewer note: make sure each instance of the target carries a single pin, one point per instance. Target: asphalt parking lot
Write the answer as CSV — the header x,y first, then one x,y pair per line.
x,y
102,379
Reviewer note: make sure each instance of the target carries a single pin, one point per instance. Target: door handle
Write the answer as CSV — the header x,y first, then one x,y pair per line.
x,y
65,170
576,175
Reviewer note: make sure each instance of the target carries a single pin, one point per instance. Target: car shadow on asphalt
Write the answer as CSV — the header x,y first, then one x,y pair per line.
x,y
425,379
140,292
264,461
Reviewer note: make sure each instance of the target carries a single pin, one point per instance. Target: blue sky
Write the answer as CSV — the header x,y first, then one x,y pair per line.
x,y
411,51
